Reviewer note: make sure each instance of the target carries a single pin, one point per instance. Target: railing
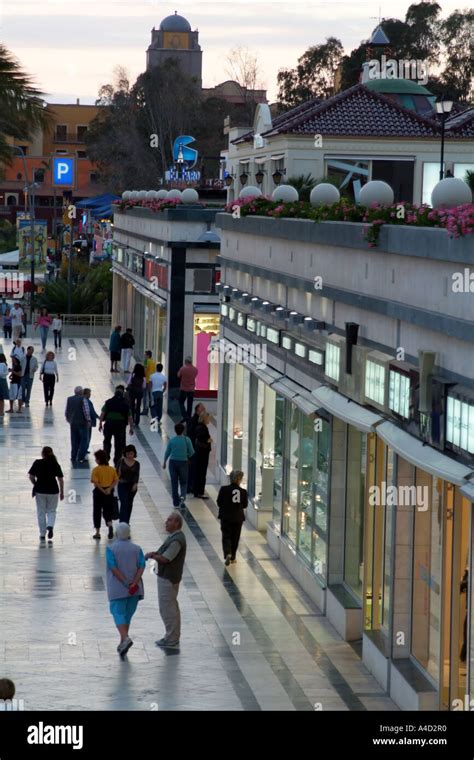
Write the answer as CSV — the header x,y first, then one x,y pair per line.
x,y
86,325
69,138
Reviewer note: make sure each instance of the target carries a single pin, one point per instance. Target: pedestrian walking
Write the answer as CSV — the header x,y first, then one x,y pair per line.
x,y
169,569
203,442
104,477
4,392
191,433
48,487
149,365
128,471
78,417
7,325
50,376
115,348
187,377
125,567
136,388
18,350
31,367
15,377
159,384
93,415
127,342
17,314
44,323
232,500
179,450
57,330
115,416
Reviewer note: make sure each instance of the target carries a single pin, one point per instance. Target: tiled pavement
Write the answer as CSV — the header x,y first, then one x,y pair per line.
x,y
251,638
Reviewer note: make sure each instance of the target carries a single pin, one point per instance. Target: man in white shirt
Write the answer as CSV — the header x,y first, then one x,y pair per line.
x,y
18,351
16,313
159,384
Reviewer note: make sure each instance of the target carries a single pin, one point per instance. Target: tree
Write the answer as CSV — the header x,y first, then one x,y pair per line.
x,y
304,183
313,77
21,104
457,38
242,66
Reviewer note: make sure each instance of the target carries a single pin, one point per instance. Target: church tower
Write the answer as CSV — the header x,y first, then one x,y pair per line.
x,y
174,39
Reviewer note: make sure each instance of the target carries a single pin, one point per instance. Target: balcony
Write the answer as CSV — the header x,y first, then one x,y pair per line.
x,y
63,138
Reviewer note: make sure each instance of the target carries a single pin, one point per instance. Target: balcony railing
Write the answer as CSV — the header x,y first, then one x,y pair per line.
x,y
86,325
68,138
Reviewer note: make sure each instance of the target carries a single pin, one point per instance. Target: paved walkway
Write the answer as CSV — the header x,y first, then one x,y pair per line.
x,y
251,638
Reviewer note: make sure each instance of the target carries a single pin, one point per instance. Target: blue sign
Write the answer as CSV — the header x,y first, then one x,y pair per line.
x,y
63,171
181,154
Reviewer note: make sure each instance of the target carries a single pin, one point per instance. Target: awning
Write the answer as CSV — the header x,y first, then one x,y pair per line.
x,y
267,375
261,159
244,161
468,491
345,409
422,455
10,259
277,156
299,396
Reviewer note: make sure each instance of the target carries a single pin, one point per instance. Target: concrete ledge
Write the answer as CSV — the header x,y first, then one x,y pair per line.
x,y
258,518
375,657
422,242
409,688
344,613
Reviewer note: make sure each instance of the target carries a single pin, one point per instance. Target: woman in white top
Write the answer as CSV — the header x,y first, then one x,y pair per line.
x,y
4,395
49,375
57,328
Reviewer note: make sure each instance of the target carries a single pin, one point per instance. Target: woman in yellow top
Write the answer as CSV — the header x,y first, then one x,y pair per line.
x,y
150,367
104,479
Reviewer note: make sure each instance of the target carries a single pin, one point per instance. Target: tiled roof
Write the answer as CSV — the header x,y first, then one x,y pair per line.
x,y
461,124
357,112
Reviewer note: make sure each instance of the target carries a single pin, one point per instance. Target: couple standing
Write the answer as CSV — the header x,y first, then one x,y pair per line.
x,y
125,567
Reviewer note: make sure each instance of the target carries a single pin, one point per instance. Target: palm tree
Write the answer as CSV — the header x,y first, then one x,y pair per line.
x,y
469,179
304,183
21,104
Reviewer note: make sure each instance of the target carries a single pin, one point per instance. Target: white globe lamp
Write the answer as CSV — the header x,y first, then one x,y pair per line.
x,y
190,195
161,194
378,192
285,193
174,194
324,195
450,192
250,192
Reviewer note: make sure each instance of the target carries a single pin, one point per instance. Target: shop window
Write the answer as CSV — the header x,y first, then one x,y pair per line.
x,y
262,444
206,327
292,459
427,569
286,343
300,350
240,319
251,324
225,416
278,452
333,361
233,415
315,357
354,517
460,423
321,498
430,179
273,336
224,309
399,175
349,175
305,487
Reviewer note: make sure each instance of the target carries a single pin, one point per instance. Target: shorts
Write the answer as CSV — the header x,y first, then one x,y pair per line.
x,y
124,609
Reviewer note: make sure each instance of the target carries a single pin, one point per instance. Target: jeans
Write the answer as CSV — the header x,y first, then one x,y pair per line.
x,y
188,396
57,338
126,358
7,331
46,504
126,497
44,335
79,442
26,385
49,382
169,609
178,474
157,407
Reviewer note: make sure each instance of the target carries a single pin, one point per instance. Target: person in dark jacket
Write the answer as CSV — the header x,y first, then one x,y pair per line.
x,y
116,414
202,448
128,471
232,500
94,416
127,342
136,389
77,414
191,433
115,348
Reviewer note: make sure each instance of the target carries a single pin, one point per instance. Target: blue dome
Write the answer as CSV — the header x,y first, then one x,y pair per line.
x,y
175,24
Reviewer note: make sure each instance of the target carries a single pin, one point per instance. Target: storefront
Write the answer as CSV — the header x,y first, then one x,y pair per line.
x,y
205,328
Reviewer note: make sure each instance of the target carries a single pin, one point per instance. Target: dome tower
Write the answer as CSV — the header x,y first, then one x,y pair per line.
x,y
174,39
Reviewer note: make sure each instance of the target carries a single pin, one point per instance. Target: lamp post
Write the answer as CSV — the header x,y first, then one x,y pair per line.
x,y
443,107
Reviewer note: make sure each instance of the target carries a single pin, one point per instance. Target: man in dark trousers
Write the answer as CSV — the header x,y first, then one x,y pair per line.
x,y
127,342
232,500
78,416
169,569
116,414
191,433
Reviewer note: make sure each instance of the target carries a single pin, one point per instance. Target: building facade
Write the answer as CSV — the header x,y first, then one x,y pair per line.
x,y
165,270
347,397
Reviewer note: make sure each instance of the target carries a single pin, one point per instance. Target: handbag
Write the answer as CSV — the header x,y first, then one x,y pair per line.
x,y
115,508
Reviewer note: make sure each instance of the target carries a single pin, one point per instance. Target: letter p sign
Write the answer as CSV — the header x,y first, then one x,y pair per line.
x,y
63,171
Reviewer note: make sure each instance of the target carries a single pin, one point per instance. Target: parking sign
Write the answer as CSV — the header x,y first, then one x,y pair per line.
x,y
63,171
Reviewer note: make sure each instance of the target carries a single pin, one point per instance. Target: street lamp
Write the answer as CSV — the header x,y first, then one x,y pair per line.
x,y
443,108
259,177
243,178
277,175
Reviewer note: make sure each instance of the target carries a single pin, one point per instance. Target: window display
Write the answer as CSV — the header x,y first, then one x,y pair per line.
x,y
291,497
206,327
375,382
399,394
333,361
354,519
262,442
277,456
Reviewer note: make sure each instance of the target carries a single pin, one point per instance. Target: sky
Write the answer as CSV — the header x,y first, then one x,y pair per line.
x,y
71,49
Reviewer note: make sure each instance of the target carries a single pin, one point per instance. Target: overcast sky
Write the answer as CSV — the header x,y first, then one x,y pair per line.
x,y
72,49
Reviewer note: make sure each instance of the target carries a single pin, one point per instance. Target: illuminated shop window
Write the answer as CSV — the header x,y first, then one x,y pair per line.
x,y
224,310
300,350
286,342
316,357
375,382
273,335
206,327
460,423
